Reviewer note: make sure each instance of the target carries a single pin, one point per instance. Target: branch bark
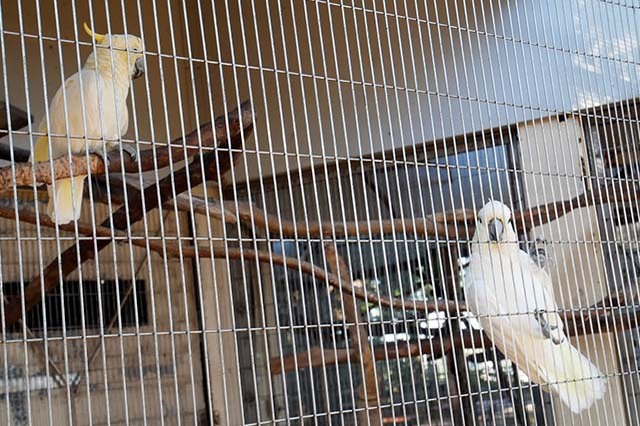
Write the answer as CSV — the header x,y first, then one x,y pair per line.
x,y
175,250
599,320
368,389
156,158
458,222
145,201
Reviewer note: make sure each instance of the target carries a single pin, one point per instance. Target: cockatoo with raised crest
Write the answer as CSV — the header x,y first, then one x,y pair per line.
x,y
95,109
513,300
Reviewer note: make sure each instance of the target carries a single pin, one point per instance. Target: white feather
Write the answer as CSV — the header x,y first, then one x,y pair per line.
x,y
504,288
101,100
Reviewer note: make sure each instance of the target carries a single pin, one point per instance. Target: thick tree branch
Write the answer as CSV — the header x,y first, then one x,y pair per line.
x,y
217,163
458,222
150,159
279,227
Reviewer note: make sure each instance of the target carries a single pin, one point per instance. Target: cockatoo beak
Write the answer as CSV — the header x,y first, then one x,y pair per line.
x,y
495,229
138,70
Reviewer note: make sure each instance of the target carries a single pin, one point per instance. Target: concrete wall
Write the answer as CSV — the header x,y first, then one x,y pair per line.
x,y
156,374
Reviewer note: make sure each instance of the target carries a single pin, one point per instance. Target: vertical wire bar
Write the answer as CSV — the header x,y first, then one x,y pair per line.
x,y
517,190
276,195
610,396
511,84
436,238
77,242
136,269
361,240
236,95
69,131
232,294
456,237
593,337
177,216
625,180
416,158
3,323
338,174
527,368
555,156
209,237
356,215
205,344
634,143
353,327
468,150
370,36
130,246
323,164
247,174
162,229
496,168
225,391
315,194
533,127
150,270
545,140
611,241
226,396
43,295
18,234
364,171
403,161
617,343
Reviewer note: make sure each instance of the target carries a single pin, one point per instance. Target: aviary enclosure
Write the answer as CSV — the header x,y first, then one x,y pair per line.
x,y
319,212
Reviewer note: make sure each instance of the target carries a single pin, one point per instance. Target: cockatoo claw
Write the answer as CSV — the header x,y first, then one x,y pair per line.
x,y
548,330
100,153
131,150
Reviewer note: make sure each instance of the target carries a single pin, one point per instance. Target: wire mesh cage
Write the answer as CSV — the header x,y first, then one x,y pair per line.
x,y
319,212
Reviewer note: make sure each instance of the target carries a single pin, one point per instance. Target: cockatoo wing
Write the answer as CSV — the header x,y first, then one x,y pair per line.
x,y
520,337
91,109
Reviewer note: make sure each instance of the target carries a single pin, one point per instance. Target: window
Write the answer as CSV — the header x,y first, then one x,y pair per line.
x,y
72,318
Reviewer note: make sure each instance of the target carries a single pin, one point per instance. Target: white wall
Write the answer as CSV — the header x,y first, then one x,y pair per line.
x,y
553,158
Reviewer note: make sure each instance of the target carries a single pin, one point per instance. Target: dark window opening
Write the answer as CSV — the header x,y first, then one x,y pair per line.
x,y
72,305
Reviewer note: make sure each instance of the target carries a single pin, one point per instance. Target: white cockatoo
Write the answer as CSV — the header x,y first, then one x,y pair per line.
x,y
99,92
513,300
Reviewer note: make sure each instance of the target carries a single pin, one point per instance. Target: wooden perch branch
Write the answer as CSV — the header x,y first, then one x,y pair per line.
x,y
216,163
368,388
175,250
603,317
279,227
459,223
212,208
436,348
150,159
